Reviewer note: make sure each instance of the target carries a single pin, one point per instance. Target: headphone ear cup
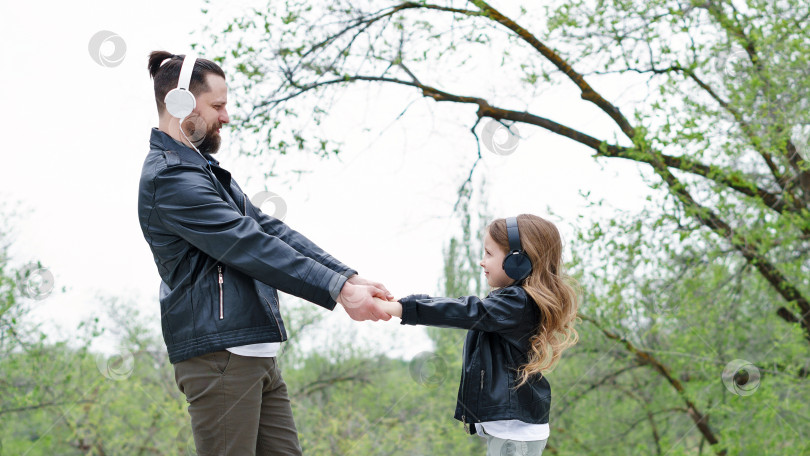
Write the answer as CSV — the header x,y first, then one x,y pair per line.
x,y
180,102
517,265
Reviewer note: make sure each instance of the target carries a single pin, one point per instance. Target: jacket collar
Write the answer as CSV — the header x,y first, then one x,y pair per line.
x,y
160,140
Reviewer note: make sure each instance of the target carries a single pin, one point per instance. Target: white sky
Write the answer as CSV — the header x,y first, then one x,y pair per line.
x,y
76,134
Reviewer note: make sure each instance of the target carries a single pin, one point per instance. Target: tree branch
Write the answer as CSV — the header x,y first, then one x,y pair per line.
x,y
587,92
646,358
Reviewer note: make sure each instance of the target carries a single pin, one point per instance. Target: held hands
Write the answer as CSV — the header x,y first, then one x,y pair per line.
x,y
367,300
358,298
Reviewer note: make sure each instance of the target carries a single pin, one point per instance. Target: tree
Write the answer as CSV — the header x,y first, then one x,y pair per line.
x,y
679,352
713,269
64,398
720,124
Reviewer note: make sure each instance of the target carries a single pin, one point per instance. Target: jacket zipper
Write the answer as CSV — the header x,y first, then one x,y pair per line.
x,y
463,389
221,304
482,379
220,279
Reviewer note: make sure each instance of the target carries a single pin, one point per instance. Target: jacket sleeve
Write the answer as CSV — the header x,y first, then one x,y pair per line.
x,y
188,205
500,311
298,241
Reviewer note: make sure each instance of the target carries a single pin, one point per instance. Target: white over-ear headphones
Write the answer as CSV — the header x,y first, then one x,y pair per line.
x,y
180,101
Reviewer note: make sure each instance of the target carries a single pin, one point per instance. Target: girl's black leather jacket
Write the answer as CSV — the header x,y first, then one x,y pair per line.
x,y
496,346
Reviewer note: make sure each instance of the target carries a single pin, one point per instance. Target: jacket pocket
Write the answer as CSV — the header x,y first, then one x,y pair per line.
x,y
533,392
272,311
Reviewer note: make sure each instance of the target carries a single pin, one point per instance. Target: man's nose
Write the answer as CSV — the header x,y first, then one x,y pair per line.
x,y
223,119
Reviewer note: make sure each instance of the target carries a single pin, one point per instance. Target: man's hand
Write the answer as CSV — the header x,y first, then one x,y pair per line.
x,y
358,300
357,280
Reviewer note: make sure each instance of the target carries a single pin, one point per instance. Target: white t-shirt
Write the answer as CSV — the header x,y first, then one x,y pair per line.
x,y
263,350
514,430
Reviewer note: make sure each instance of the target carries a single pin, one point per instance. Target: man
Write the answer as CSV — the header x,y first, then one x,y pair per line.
x,y
220,261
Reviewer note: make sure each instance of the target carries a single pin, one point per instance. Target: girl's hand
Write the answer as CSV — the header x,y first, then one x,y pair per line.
x,y
393,308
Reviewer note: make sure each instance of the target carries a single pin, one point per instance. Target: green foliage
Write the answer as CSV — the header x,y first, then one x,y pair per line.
x,y
715,268
712,270
60,398
691,311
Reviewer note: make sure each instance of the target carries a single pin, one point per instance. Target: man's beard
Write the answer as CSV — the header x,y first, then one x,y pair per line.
x,y
210,144
207,142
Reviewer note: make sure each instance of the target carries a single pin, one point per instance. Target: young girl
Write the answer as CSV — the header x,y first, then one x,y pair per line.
x,y
515,334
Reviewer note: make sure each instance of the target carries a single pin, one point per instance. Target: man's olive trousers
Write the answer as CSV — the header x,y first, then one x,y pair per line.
x,y
238,405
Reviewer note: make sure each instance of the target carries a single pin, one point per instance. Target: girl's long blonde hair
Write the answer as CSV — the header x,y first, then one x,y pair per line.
x,y
554,292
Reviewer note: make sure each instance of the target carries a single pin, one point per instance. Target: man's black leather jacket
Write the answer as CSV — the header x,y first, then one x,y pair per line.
x,y
221,259
496,346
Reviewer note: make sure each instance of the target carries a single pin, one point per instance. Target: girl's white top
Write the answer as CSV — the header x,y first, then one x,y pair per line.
x,y
514,430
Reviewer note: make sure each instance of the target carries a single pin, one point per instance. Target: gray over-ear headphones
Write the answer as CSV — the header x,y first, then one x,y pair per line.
x,y
180,101
516,264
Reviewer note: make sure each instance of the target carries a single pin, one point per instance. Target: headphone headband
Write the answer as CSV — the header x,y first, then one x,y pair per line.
x,y
516,263
513,233
180,102
186,70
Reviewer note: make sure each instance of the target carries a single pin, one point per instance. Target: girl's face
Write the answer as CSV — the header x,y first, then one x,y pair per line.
x,y
493,264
